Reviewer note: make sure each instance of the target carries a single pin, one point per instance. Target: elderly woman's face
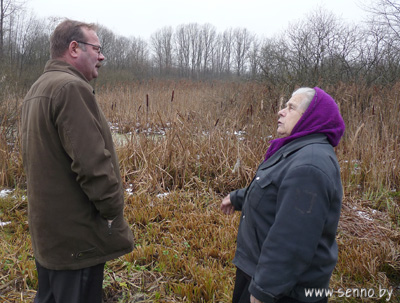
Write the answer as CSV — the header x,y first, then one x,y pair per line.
x,y
290,115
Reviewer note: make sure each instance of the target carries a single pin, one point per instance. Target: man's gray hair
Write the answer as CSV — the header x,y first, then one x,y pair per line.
x,y
308,94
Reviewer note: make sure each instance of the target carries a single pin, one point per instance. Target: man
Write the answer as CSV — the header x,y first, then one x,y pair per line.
x,y
290,211
75,195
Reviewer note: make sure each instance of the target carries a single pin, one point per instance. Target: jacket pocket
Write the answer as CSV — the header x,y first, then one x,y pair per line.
x,y
107,228
258,191
112,225
263,181
86,253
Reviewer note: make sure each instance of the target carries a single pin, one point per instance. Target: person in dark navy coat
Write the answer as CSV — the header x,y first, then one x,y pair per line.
x,y
286,243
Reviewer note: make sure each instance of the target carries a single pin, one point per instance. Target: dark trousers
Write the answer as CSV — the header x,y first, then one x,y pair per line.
x,y
67,286
241,292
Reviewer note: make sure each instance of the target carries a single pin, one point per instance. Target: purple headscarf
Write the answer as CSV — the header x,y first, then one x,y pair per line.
x,y
322,116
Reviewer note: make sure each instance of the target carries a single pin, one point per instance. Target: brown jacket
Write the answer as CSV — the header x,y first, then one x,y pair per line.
x,y
74,183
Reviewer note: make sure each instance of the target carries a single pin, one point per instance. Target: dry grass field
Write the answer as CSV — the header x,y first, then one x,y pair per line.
x,y
183,146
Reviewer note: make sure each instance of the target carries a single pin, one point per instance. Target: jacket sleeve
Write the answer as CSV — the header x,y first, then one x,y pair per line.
x,y
237,198
303,204
77,118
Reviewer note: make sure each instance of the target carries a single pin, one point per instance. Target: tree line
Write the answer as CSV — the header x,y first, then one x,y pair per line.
x,y
320,48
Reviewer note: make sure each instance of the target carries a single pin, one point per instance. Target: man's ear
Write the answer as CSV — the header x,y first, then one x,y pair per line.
x,y
73,49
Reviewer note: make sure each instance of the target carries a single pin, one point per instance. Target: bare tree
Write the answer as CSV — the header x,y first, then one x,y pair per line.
x,y
241,46
189,49
125,57
384,41
274,61
209,34
182,46
139,56
107,38
318,49
30,34
385,13
227,50
253,58
162,46
7,8
315,45
217,56
195,43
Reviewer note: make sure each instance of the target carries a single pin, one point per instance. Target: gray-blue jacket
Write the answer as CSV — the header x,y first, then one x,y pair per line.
x,y
290,212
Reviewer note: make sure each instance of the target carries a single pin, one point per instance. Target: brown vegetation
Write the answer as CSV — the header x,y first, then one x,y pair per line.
x,y
197,141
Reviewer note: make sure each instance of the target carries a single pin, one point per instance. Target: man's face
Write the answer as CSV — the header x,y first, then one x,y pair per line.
x,y
290,115
89,58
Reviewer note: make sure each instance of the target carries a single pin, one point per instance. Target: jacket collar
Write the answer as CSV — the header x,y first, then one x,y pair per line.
x,y
62,66
292,147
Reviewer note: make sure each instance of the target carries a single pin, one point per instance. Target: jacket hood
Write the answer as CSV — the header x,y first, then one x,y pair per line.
x,y
321,116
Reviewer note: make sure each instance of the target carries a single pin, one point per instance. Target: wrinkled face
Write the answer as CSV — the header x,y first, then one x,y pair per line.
x,y
290,115
89,58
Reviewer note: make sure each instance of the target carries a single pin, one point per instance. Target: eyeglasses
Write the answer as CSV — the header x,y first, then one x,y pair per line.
x,y
97,48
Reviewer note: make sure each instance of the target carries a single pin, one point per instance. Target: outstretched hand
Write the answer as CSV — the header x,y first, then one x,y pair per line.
x,y
226,206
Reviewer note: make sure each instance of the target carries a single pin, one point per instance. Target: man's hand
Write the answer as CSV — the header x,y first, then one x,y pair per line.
x,y
226,206
254,300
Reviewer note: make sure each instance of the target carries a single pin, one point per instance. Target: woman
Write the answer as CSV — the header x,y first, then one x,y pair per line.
x,y
286,239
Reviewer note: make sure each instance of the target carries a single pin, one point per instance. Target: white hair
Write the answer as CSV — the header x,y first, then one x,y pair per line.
x,y
308,94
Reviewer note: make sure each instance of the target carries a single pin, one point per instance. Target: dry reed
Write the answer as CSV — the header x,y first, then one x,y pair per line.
x,y
197,141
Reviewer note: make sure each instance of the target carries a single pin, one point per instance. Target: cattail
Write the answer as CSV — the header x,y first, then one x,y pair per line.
x,y
147,108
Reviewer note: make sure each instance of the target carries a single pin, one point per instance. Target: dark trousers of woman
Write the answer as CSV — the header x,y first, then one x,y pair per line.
x,y
241,292
67,286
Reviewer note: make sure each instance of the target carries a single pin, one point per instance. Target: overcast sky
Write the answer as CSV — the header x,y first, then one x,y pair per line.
x,y
141,18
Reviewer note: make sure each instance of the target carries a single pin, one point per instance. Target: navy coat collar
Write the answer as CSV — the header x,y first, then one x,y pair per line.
x,y
292,147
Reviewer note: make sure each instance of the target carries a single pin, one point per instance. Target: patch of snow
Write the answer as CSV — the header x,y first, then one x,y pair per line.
x,y
5,192
363,214
162,195
4,223
240,134
130,190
